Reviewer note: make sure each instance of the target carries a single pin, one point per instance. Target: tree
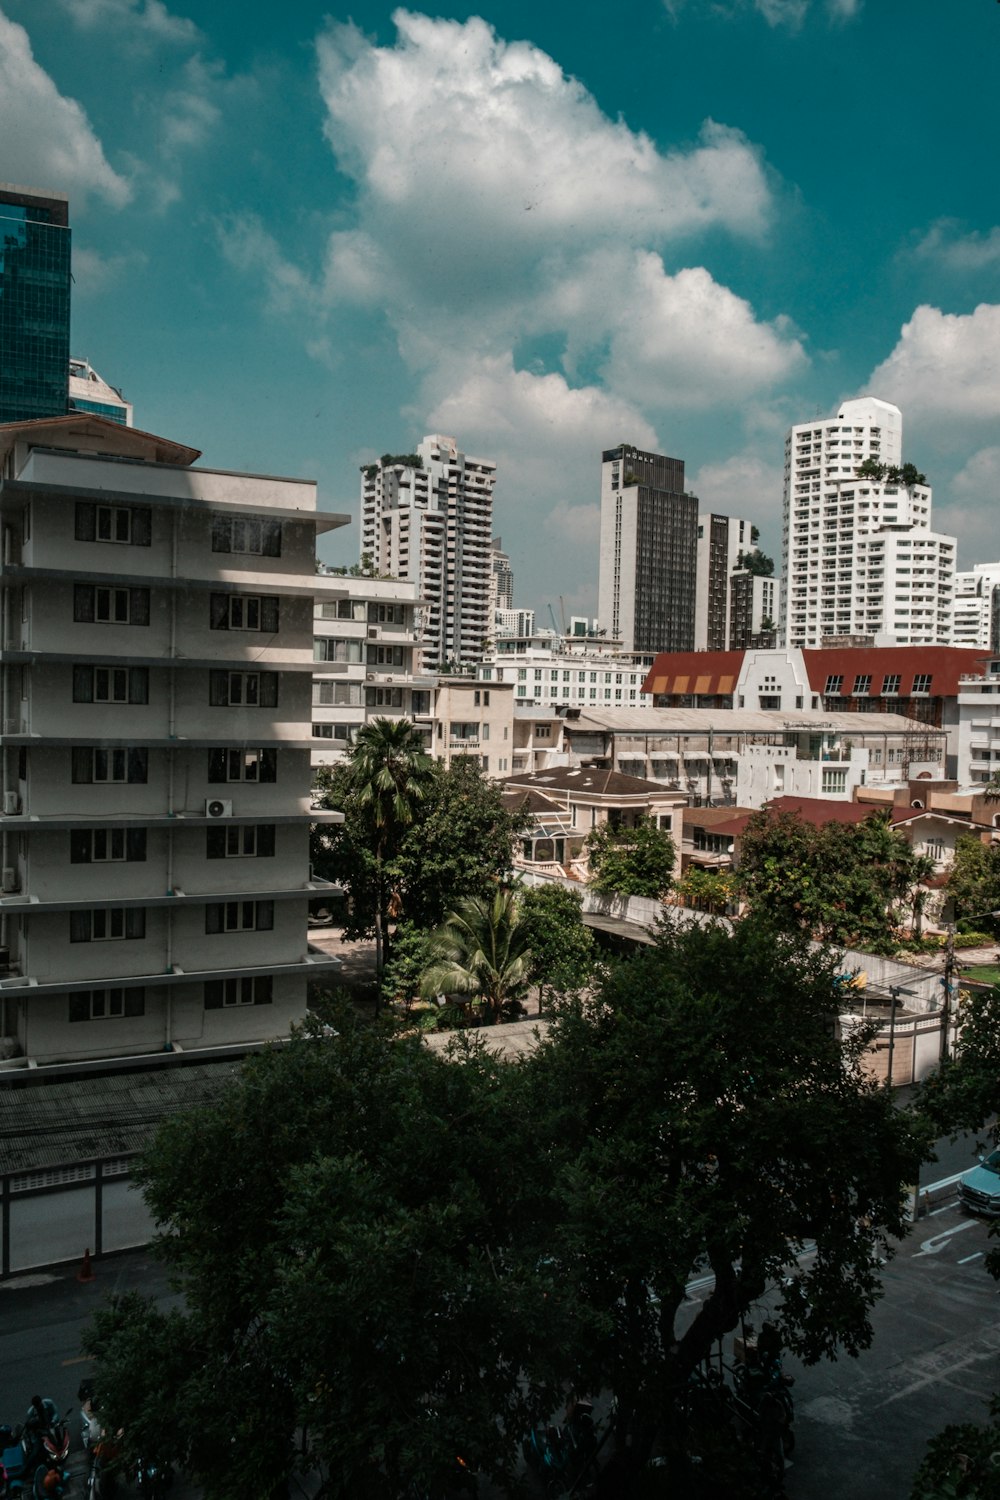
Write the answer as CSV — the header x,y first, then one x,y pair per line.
x,y
386,779
563,954
461,843
973,881
694,1102
481,949
841,882
338,1224
756,562
637,861
402,1260
707,890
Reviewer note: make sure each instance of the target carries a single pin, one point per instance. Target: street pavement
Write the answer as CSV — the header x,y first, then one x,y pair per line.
x,y
861,1425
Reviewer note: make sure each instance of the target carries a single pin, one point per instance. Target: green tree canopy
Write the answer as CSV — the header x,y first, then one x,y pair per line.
x,y
481,949
841,882
409,1260
757,562
636,861
974,878
563,953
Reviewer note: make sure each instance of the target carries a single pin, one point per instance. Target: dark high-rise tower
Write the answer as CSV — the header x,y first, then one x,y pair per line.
x,y
649,550
34,303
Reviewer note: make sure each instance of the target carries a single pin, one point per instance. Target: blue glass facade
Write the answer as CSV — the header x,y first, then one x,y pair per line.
x,y
34,304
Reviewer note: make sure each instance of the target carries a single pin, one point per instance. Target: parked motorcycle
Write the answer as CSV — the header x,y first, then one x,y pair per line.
x,y
31,1452
559,1452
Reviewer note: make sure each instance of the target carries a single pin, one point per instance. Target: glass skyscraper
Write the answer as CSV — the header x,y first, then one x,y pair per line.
x,y
34,303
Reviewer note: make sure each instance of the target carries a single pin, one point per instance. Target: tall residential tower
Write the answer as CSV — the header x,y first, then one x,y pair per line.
x,y
859,556
427,517
649,549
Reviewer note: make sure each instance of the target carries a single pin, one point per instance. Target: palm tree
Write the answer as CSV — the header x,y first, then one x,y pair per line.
x,y
481,948
387,778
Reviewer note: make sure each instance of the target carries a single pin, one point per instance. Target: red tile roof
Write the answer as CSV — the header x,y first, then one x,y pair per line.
x,y
698,672
944,664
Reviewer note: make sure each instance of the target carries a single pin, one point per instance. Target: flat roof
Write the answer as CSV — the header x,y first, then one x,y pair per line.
x,y
734,720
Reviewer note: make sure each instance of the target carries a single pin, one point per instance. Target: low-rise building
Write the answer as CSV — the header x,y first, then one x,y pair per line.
x,y
470,716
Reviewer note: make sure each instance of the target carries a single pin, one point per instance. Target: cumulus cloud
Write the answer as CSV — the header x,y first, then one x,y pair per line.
x,y
497,204
745,485
478,157
146,19
93,273
47,138
248,246
967,506
947,246
945,369
190,113
547,438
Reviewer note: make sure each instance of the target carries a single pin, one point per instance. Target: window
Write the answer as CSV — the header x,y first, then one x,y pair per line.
x,y
890,683
346,732
244,612
107,1005
330,649
129,524
390,697
342,694
106,845
242,765
543,731
246,689
246,534
110,684
863,683
462,731
385,656
220,993
95,764
385,614
239,916
107,924
835,781
934,847
240,841
922,682
100,605
834,683
481,696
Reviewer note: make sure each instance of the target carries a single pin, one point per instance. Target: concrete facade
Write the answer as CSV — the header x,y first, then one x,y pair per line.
x,y
155,675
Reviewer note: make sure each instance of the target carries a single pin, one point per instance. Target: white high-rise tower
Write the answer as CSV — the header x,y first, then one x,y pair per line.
x,y
428,517
858,553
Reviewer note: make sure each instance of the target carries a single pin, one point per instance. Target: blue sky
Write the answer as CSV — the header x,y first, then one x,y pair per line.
x,y
304,236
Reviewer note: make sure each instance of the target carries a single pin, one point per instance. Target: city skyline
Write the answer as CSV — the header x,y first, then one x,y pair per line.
x,y
688,230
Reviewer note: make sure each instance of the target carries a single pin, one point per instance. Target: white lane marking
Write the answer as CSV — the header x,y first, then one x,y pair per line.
x,y
937,1242
967,1258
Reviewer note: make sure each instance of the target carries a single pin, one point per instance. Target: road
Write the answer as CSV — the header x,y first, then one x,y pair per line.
x,y
861,1425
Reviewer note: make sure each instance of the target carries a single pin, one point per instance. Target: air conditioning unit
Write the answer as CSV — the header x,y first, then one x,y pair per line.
x,y
216,808
11,802
9,879
374,633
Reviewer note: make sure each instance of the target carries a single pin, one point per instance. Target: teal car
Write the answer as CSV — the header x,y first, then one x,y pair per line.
x,y
979,1188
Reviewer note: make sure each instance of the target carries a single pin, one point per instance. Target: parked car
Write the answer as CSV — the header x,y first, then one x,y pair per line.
x,y
979,1188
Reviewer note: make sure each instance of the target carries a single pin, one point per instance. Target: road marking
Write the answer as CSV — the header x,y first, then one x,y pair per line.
x,y
936,1376
937,1242
967,1258
81,1359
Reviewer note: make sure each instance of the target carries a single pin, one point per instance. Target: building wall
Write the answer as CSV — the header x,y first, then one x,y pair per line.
x,y
648,551
84,779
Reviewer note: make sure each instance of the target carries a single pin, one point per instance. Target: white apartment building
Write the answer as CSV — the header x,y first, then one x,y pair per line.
x,y
89,391
470,716
427,517
859,556
364,651
576,672
156,663
513,622
976,608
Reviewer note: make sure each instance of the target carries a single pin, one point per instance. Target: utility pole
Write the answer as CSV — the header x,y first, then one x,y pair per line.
x,y
947,979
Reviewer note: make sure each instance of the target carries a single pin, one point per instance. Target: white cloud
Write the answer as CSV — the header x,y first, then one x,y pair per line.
x,y
189,113
94,273
967,507
146,19
248,246
945,369
686,341
497,204
47,139
948,247
790,13
746,486
547,439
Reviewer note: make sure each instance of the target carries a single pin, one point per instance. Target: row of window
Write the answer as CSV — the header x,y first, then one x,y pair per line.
x,y
113,924
890,683
106,604
117,1003
131,525
94,764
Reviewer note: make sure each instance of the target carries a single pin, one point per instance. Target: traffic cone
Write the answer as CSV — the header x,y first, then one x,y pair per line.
x,y
86,1271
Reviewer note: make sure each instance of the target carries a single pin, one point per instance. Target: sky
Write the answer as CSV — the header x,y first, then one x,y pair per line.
x,y
305,236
